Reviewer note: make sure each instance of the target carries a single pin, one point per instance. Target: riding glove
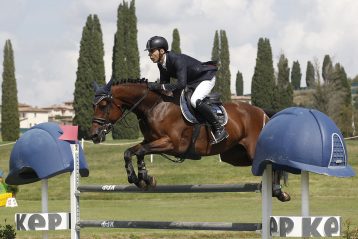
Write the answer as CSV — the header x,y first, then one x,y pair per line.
x,y
155,86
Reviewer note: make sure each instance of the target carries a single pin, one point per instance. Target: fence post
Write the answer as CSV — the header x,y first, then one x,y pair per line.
x,y
75,202
305,201
44,201
266,201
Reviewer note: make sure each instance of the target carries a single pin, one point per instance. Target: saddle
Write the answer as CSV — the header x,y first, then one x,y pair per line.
x,y
213,100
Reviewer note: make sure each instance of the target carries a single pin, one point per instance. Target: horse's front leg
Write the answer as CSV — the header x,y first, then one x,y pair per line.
x,y
132,177
145,180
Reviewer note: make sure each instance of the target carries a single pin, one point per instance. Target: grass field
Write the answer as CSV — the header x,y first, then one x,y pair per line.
x,y
328,195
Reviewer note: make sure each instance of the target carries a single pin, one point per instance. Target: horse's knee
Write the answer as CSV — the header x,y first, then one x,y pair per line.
x,y
127,155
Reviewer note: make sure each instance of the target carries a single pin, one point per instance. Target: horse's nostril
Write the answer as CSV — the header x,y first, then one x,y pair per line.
x,y
94,137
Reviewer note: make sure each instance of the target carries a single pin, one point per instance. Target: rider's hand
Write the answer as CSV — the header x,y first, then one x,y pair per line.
x,y
154,86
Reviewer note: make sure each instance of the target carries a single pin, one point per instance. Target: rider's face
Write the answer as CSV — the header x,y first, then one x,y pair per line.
x,y
156,55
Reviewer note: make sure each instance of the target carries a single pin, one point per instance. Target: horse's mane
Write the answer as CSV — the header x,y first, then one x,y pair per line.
x,y
107,88
130,81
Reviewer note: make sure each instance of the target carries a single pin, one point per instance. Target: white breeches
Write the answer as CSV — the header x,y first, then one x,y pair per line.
x,y
202,90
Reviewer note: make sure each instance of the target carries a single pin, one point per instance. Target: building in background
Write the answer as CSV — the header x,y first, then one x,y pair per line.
x,y
241,98
31,116
61,113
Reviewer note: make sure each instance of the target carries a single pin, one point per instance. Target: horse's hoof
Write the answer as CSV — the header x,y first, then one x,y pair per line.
x,y
132,179
280,195
142,185
152,182
283,197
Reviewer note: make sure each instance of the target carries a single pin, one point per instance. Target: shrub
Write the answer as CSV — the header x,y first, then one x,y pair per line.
x,y
7,232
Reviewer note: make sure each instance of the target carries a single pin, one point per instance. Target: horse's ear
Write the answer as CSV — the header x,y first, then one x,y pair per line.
x,y
108,86
95,86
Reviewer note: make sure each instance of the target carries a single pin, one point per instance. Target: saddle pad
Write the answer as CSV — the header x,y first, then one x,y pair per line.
x,y
186,111
190,117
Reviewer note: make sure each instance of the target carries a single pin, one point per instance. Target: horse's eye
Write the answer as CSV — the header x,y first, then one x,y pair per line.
x,y
103,104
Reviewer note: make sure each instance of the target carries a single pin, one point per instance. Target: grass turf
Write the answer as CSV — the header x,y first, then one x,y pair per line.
x,y
328,196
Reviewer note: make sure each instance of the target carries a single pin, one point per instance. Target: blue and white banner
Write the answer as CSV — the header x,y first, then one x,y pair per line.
x,y
286,226
42,221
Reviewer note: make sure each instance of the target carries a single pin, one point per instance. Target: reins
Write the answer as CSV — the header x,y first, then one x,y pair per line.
x,y
133,107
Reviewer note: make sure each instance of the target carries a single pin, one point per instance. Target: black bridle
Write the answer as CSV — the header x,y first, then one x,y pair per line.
x,y
105,125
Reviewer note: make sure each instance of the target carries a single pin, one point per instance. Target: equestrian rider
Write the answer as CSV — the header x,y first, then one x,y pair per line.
x,y
189,72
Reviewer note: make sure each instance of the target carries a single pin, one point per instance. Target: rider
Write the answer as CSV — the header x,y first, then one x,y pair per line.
x,y
189,72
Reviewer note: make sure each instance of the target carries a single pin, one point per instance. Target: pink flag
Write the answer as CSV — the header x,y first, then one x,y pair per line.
x,y
70,132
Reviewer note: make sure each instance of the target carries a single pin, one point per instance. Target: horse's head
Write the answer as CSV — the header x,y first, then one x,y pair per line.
x,y
106,112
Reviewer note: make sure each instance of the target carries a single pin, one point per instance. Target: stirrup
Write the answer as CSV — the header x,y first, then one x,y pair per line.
x,y
223,135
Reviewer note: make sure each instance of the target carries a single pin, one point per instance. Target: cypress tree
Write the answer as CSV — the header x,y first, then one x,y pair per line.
x,y
125,62
97,52
223,82
333,97
283,97
296,75
263,81
345,83
346,109
220,53
132,44
10,123
310,75
119,64
176,42
90,69
215,53
327,67
215,56
239,84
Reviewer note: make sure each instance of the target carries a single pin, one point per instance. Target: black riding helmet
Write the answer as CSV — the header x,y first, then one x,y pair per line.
x,y
157,42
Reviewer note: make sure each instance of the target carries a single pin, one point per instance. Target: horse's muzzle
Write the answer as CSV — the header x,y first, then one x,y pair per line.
x,y
98,137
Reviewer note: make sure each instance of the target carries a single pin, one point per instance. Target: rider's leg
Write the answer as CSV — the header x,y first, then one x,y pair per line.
x,y
218,130
201,91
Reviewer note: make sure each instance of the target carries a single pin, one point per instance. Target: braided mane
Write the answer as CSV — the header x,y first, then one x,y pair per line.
x,y
131,81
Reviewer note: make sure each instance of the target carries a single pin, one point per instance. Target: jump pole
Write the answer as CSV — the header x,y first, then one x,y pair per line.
x,y
76,223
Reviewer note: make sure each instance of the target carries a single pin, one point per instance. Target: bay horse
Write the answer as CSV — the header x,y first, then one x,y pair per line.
x,y
166,131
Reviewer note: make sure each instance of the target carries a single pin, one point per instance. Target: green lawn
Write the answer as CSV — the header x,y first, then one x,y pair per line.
x,y
328,196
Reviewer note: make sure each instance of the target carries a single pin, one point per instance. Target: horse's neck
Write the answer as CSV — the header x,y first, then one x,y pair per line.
x,y
138,94
130,95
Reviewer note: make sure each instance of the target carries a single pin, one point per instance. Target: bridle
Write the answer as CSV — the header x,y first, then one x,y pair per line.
x,y
105,125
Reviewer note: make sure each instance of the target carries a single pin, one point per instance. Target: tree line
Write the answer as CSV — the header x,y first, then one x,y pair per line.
x,y
328,87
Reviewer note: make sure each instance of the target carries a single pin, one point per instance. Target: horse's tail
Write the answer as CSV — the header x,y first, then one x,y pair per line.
x,y
269,112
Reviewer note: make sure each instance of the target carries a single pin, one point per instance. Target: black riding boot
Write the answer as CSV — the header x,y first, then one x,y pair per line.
x,y
218,130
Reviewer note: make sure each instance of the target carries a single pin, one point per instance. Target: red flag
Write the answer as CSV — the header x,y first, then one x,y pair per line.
x,y
70,132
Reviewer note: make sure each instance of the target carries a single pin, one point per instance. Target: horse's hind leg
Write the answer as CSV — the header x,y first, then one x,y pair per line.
x,y
276,186
236,156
